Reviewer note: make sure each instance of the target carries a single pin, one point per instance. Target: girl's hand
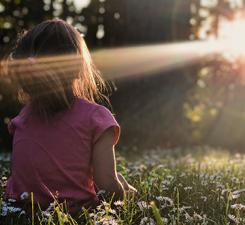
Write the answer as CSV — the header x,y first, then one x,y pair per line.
x,y
132,189
127,187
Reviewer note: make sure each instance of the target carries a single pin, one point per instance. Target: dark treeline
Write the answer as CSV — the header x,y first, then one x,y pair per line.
x,y
170,108
104,22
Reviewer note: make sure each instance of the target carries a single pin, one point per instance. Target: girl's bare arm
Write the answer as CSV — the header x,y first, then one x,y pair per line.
x,y
104,165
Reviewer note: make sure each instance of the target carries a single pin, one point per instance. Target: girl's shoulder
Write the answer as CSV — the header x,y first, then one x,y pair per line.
x,y
90,107
94,111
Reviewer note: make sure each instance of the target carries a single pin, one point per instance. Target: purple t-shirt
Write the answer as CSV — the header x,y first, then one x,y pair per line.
x,y
54,159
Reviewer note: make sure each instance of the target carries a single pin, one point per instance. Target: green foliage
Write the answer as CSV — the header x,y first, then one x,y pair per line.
x,y
176,186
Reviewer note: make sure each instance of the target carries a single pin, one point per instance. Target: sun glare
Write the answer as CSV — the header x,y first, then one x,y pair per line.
x,y
232,35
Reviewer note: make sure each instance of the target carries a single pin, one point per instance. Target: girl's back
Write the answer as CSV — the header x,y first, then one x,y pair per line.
x,y
55,157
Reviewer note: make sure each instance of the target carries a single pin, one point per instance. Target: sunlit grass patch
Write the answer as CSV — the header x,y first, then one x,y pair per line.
x,y
197,186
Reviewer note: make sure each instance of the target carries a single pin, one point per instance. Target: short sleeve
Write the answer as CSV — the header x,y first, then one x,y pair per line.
x,y
101,120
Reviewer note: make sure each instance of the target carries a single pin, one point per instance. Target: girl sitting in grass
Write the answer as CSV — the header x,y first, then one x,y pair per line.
x,y
63,145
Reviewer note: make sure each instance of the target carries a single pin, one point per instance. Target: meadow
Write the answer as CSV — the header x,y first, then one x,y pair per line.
x,y
198,186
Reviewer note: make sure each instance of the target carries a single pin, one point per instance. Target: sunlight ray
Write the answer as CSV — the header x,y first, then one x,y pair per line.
x,y
116,63
122,62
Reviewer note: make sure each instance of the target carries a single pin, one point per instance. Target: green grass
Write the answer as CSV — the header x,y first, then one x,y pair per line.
x,y
198,186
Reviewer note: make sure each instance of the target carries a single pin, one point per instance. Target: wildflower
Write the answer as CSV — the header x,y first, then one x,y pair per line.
x,y
165,188
220,186
205,220
45,216
159,198
108,221
197,216
225,190
165,220
112,211
118,203
188,217
4,210
51,207
235,180
147,221
182,175
165,200
238,191
24,196
187,188
100,193
184,208
169,177
92,215
166,183
143,205
233,218
160,167
4,178
9,209
99,207
235,196
204,183
23,212
104,203
204,198
238,206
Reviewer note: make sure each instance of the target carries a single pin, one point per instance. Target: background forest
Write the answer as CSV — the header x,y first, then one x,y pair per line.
x,y
202,102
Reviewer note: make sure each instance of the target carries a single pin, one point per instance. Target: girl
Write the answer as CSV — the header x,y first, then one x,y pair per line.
x,y
63,145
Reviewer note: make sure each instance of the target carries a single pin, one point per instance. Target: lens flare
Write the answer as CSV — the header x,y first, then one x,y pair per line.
x,y
232,36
